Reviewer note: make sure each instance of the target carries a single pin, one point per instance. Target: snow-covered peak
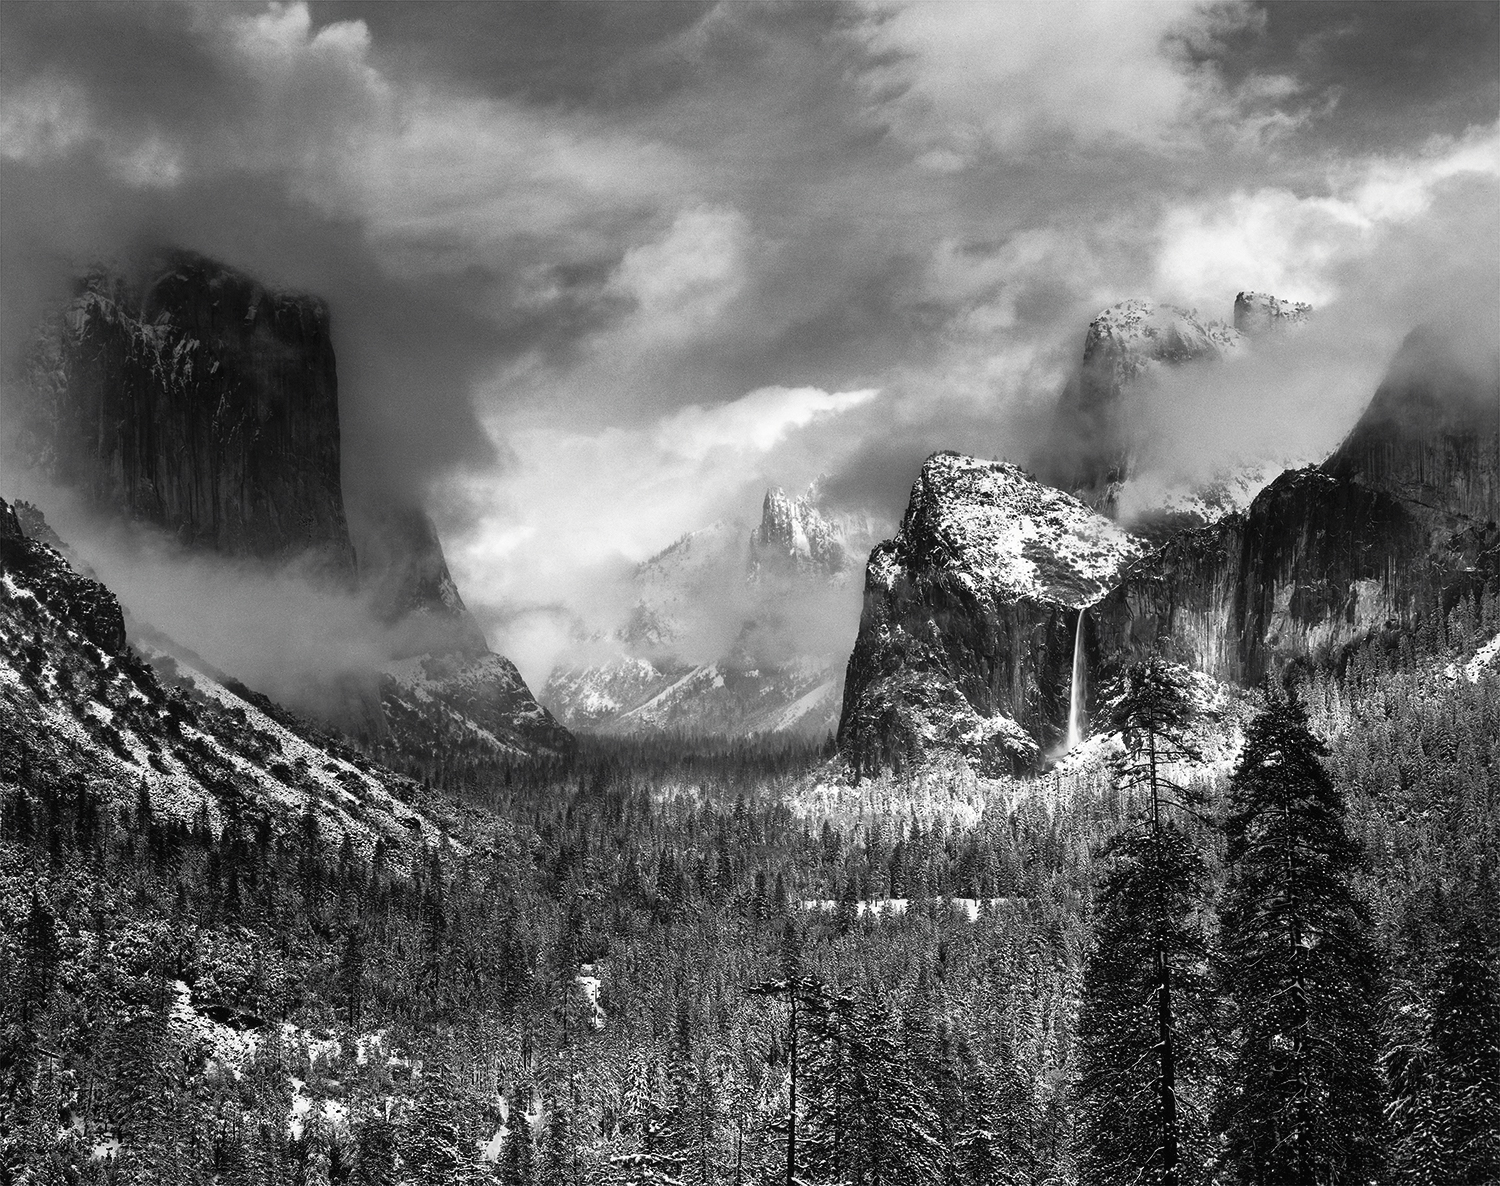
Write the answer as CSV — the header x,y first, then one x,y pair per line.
x,y
795,534
995,527
1136,332
1255,312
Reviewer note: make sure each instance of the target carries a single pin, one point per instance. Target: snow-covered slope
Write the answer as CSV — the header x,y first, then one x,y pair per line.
x,y
79,704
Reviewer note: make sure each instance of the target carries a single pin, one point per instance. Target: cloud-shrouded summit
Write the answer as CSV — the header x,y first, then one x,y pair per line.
x,y
600,275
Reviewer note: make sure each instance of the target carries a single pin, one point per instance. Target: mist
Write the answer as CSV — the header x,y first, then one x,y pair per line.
x,y
555,253
1290,397
285,629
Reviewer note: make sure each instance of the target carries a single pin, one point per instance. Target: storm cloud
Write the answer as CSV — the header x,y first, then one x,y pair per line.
x,y
553,235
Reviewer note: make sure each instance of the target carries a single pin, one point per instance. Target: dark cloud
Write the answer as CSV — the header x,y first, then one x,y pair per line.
x,y
608,221
1381,75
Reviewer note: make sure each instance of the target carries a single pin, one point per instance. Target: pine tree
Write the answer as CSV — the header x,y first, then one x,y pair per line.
x,y
1302,1099
1466,1046
516,1168
375,1152
1145,1031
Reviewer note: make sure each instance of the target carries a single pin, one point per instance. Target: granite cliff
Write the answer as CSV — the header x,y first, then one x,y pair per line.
x,y
200,401
966,640
194,398
972,610
1398,523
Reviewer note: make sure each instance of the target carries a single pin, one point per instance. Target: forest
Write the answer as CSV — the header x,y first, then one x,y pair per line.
x,y
699,962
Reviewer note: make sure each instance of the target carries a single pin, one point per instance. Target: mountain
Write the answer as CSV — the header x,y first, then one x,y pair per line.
x,y
1397,524
970,613
731,632
1259,312
1101,446
82,708
966,640
194,398
200,401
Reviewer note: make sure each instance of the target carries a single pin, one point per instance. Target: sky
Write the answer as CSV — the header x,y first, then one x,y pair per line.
x,y
600,273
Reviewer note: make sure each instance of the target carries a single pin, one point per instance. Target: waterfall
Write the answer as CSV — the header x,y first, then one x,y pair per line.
x,y
1079,689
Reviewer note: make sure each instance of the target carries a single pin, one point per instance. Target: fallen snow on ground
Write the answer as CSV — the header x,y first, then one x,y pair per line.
x,y
895,907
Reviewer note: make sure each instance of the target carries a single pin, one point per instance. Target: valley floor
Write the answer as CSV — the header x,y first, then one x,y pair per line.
x,y
586,971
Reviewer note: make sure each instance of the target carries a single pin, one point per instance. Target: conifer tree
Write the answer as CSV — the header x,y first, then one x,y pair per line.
x,y
1144,1029
516,1161
1466,1046
1302,1099
375,1152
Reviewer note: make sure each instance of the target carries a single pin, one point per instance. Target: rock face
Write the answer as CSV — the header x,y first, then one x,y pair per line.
x,y
200,401
1091,444
794,537
966,640
1398,522
405,574
35,566
960,632
734,632
1260,312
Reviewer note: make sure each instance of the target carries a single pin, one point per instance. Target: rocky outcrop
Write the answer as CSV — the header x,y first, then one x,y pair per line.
x,y
1397,523
957,632
794,537
1092,440
199,400
31,566
1259,312
966,640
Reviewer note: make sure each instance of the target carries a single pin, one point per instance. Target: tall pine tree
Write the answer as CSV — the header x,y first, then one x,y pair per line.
x,y
1144,1028
1302,1100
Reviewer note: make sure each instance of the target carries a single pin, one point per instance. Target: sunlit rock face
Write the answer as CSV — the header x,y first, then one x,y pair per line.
x,y
966,641
201,401
1399,522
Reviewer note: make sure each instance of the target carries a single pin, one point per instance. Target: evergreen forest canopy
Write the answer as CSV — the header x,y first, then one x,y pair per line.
x,y
659,962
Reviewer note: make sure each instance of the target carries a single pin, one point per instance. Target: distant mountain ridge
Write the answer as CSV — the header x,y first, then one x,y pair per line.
x,y
769,677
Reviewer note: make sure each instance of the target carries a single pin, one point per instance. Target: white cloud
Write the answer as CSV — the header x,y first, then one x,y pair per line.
x,y
686,279
1275,240
1103,72
752,424
44,118
577,508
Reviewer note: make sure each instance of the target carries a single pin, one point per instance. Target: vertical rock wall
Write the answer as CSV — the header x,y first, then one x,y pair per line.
x,y
202,402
